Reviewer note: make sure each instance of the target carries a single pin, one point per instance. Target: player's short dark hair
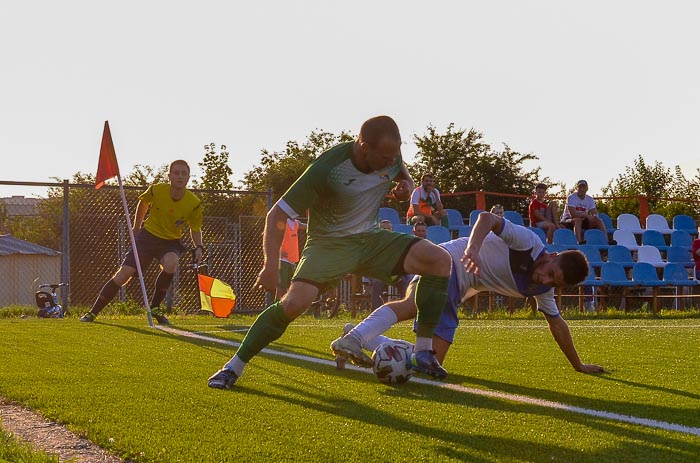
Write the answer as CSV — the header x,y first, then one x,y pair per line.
x,y
375,129
179,161
540,185
574,266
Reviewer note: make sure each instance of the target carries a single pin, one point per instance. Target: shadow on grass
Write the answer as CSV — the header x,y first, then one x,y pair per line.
x,y
642,443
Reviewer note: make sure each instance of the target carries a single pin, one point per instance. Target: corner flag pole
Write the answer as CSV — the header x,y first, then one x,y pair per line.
x,y
108,168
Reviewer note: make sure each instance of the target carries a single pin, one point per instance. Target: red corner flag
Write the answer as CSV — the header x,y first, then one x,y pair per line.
x,y
107,167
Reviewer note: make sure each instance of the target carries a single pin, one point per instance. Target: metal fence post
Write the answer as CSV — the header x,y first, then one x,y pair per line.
x,y
65,246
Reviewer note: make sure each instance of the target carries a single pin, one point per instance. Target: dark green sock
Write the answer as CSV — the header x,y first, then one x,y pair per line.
x,y
268,327
431,295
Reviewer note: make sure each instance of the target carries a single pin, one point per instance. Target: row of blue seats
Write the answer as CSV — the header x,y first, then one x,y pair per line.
x,y
630,222
643,275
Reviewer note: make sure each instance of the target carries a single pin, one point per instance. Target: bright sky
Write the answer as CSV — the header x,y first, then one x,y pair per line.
x,y
586,86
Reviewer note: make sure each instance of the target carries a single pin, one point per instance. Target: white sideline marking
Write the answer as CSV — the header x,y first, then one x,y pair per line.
x,y
469,390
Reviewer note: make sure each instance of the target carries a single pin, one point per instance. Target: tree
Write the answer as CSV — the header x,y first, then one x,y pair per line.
x,y
216,171
462,161
658,183
278,170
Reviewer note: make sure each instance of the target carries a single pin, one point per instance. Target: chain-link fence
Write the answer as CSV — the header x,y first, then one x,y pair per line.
x,y
89,228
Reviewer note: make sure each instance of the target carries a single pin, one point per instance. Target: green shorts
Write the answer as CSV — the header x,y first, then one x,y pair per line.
x,y
325,261
286,273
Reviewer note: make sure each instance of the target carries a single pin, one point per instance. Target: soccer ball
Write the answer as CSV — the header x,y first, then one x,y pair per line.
x,y
391,362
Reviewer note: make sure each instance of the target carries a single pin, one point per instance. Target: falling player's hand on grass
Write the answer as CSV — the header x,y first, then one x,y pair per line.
x,y
591,368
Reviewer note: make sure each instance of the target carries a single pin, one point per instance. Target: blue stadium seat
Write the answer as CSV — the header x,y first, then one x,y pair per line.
x,y
654,238
515,217
607,221
390,214
591,279
680,255
438,234
681,238
539,232
686,223
557,247
592,254
473,215
613,274
644,274
620,254
596,238
464,231
404,228
565,237
454,219
676,275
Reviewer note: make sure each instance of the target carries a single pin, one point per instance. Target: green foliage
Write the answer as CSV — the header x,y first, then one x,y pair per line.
x,y
658,183
461,161
145,176
279,169
216,171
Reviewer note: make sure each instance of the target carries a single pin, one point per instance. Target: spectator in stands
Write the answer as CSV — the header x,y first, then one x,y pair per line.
x,y
497,209
426,206
580,212
696,257
420,230
289,255
543,214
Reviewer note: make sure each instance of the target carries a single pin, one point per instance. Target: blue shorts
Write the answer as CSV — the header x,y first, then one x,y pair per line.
x,y
449,321
151,247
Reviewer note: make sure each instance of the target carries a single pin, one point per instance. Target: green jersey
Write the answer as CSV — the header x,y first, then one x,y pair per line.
x,y
341,199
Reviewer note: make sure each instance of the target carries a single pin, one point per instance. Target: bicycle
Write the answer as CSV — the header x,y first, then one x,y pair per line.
x,y
48,302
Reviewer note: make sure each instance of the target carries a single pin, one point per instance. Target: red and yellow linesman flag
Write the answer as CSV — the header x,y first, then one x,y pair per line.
x,y
216,296
107,167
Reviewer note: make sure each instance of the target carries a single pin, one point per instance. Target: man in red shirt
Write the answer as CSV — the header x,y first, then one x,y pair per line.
x,y
543,215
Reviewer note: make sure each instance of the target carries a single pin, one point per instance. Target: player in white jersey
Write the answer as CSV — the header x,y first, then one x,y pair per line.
x,y
498,256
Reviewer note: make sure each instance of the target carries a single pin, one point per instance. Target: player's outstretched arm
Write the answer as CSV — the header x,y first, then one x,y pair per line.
x,y
485,223
560,330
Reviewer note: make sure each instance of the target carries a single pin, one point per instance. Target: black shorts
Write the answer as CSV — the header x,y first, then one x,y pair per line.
x,y
569,223
151,247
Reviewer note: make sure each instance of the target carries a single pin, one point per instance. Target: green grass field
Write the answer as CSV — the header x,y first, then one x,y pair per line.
x,y
142,393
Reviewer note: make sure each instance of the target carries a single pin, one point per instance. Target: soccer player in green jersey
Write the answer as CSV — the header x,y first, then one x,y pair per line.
x,y
171,207
343,190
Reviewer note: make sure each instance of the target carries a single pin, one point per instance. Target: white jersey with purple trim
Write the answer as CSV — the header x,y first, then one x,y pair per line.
x,y
507,260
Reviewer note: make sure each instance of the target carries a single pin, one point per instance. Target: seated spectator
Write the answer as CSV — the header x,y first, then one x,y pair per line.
x,y
542,214
580,212
420,230
497,209
426,206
